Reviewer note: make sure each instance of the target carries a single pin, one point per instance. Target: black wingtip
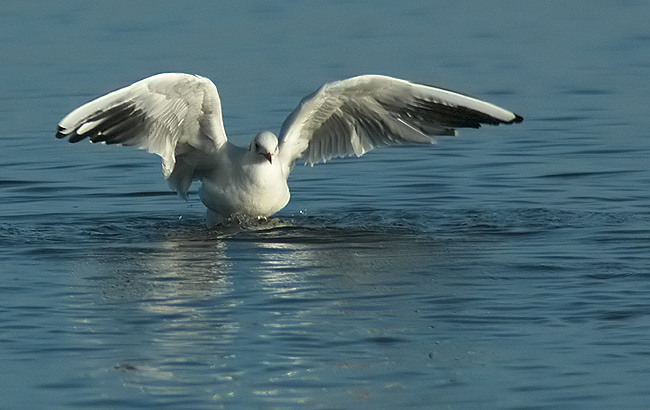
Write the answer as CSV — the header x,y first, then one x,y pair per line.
x,y
72,136
517,120
59,132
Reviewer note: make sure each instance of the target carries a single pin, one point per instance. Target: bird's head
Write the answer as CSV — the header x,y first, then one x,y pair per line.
x,y
266,145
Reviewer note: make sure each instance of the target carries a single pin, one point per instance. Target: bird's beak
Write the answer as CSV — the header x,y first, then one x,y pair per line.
x,y
268,157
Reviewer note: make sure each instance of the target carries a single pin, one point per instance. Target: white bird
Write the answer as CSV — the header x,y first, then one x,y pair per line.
x,y
178,117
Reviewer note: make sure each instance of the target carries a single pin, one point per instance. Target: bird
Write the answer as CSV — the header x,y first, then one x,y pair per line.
x,y
178,116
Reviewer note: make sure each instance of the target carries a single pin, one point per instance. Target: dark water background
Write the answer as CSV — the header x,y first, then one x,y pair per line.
x,y
505,268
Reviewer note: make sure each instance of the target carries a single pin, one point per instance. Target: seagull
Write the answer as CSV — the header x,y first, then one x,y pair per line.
x,y
178,117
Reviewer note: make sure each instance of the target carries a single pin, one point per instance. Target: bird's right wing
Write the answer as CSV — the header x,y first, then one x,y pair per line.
x,y
176,116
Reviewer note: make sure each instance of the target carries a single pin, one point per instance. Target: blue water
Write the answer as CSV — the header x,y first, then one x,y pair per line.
x,y
504,268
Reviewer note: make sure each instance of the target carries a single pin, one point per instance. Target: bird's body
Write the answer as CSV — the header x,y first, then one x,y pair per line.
x,y
244,183
178,117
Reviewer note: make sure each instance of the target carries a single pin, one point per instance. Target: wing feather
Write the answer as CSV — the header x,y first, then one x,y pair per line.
x,y
176,116
353,116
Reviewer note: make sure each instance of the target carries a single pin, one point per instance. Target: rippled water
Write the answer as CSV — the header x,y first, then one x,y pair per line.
x,y
505,268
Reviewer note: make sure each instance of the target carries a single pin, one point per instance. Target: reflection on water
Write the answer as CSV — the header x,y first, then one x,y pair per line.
x,y
191,297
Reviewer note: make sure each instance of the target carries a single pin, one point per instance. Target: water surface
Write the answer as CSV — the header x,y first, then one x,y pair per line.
x,y
504,268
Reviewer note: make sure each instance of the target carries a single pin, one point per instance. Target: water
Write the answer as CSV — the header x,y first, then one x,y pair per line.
x,y
505,268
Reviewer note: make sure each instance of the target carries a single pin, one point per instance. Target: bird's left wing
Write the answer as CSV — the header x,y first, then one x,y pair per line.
x,y
352,116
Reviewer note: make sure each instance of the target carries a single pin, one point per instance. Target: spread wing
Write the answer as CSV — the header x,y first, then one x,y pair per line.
x,y
352,116
176,116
